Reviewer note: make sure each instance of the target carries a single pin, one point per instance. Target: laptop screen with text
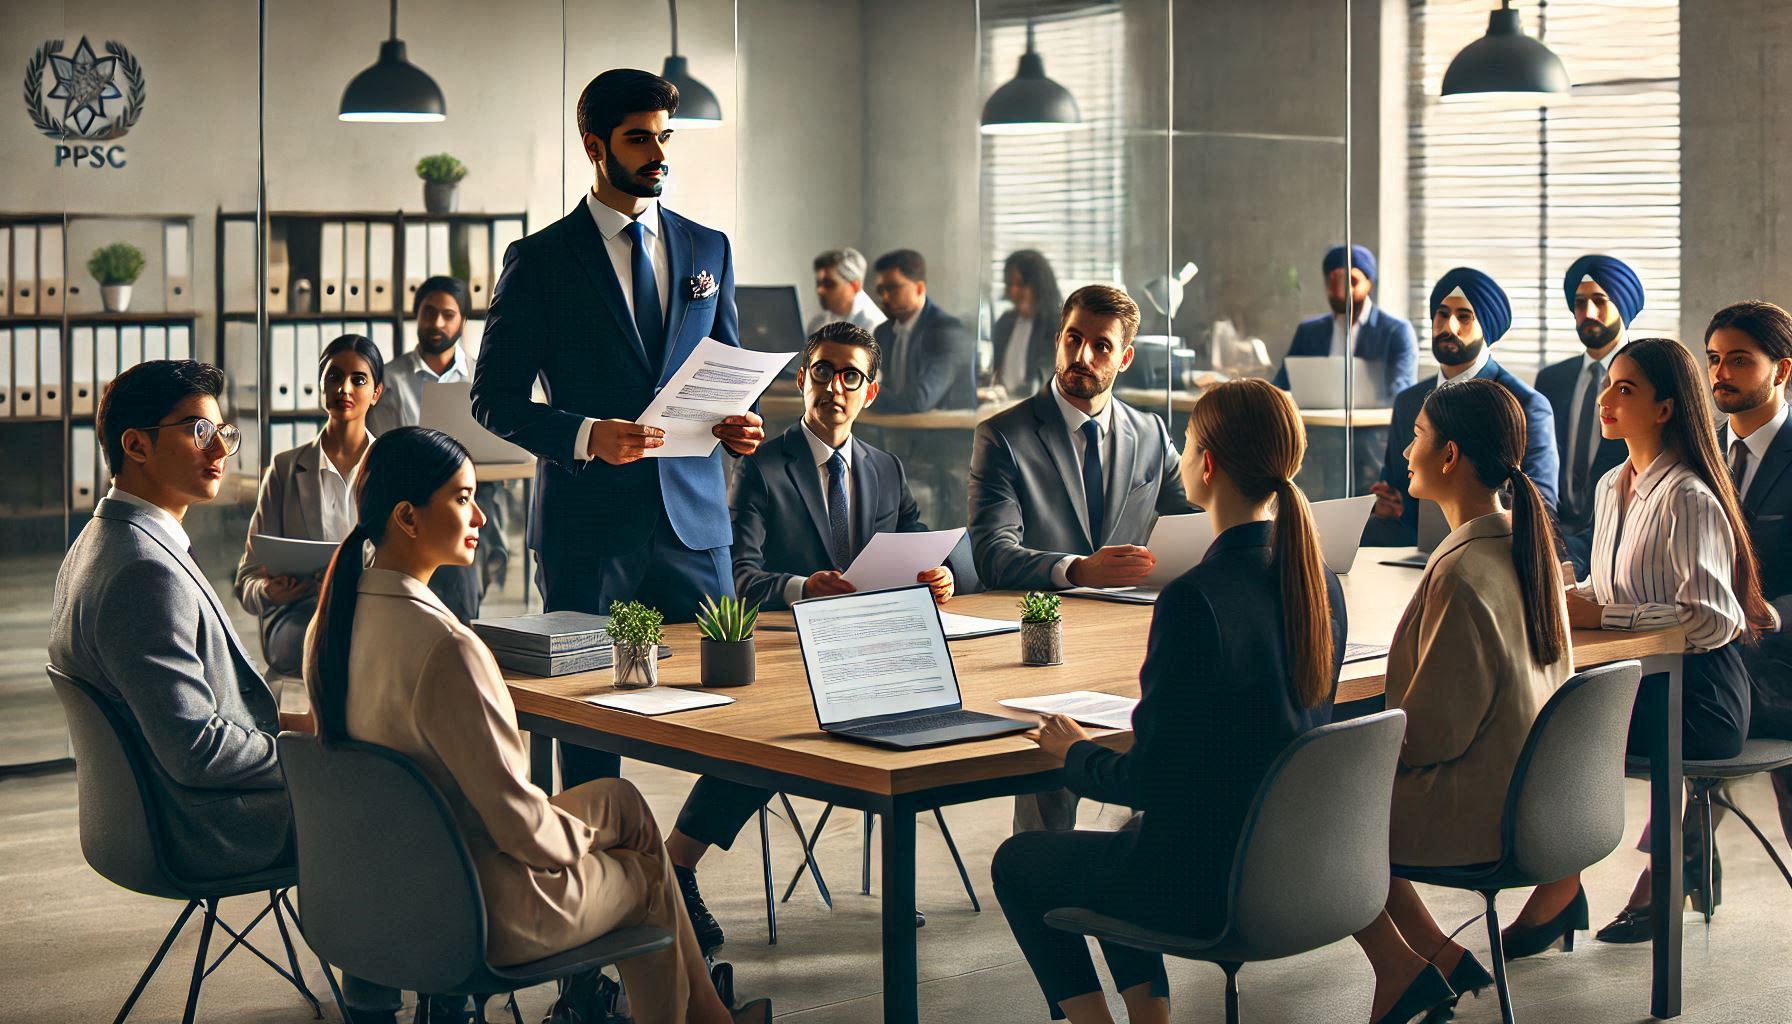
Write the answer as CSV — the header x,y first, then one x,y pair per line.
x,y
875,654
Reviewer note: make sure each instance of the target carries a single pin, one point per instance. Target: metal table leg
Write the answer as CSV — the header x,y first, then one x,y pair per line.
x,y
901,979
1666,784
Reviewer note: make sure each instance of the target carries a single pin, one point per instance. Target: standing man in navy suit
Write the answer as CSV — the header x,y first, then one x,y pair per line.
x,y
601,307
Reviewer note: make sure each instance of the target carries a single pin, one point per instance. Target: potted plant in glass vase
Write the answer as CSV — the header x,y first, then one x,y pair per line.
x,y
635,630
116,267
1041,629
726,650
441,174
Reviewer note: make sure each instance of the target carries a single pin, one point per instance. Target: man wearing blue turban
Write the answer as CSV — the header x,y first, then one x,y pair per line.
x,y
1469,313
1605,296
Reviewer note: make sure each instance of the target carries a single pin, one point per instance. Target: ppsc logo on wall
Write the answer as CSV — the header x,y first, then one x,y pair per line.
x,y
101,97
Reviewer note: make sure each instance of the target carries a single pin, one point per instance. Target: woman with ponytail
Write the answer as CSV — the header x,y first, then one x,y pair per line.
x,y
388,663
1478,652
1242,657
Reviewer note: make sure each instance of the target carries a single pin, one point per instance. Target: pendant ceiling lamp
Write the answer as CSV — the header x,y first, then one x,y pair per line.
x,y
1505,61
697,105
393,90
1030,103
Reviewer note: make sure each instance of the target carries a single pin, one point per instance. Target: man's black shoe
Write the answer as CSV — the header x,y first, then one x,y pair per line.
x,y
704,923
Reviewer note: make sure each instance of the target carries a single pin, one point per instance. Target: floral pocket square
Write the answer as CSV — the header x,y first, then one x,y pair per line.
x,y
703,286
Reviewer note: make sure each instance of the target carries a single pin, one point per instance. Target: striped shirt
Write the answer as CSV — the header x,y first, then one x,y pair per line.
x,y
1665,559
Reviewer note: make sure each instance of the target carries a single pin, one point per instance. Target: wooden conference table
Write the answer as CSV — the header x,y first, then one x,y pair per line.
x,y
769,738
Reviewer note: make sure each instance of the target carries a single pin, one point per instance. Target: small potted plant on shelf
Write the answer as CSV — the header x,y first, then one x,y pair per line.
x,y
726,650
116,267
635,631
441,174
1041,629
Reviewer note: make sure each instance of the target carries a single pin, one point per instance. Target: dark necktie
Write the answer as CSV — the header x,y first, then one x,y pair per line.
x,y
1581,458
1092,485
646,295
839,540
1738,464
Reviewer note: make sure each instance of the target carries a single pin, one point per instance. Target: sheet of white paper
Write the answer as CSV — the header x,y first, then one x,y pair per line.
x,y
961,627
893,560
660,700
715,381
284,556
1102,710
1179,542
1123,595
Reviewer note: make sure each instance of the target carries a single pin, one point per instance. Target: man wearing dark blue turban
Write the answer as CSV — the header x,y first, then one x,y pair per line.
x,y
1469,312
1605,296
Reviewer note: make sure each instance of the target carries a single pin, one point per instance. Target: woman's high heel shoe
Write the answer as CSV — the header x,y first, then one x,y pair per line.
x,y
759,1011
1520,940
1468,977
1427,991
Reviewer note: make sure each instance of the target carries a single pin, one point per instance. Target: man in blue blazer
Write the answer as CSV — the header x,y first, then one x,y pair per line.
x,y
1469,313
600,308
1381,337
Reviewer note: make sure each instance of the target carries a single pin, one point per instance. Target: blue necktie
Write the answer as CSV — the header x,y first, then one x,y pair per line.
x,y
646,296
839,540
1092,486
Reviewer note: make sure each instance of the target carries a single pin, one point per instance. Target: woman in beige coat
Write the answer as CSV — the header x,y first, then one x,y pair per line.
x,y
388,663
1478,652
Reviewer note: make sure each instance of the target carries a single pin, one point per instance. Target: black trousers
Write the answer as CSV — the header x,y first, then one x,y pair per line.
x,y
1714,706
1036,872
717,809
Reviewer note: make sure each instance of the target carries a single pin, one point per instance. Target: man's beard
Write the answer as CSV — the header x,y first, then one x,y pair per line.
x,y
435,343
1082,382
1448,351
1730,401
1594,334
1340,305
623,181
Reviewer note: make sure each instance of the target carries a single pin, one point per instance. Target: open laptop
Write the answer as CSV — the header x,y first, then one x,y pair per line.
x,y
880,673
449,408
1317,382
1433,528
770,319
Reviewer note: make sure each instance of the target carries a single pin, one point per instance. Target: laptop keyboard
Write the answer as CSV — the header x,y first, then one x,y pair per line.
x,y
926,723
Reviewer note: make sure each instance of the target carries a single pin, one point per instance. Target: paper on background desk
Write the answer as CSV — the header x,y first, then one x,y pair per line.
x,y
1102,710
893,560
286,556
968,627
659,700
714,382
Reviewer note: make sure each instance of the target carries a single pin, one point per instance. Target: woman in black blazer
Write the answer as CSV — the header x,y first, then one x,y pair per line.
x,y
1243,657
1032,287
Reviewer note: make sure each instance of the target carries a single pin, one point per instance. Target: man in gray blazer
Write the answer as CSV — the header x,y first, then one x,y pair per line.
x,y
134,617
1066,486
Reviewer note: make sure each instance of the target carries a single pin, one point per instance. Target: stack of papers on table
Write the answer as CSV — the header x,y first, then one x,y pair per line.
x,y
549,644
660,700
969,627
1102,710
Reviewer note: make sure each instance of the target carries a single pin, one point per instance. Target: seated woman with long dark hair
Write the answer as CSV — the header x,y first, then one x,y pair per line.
x,y
388,663
1243,657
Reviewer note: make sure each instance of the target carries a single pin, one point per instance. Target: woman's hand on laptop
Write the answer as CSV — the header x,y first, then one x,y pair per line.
x,y
1056,735
940,579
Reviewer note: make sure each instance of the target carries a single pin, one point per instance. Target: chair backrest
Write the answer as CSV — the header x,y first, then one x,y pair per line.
x,y
387,888
1565,804
1312,862
120,835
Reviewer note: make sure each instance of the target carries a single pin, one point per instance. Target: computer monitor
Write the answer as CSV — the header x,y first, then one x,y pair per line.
x,y
770,318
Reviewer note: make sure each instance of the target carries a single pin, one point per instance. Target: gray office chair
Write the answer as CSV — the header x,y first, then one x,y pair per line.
x,y
122,840
1312,861
1564,807
387,888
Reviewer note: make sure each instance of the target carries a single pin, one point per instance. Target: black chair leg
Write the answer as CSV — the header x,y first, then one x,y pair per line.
x,y
292,956
771,903
1766,844
335,991
865,858
205,941
1498,950
963,875
808,846
155,961
1231,992
516,1012
237,938
1707,873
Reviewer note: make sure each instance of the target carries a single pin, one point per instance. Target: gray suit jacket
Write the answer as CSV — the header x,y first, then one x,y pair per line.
x,y
134,618
1026,499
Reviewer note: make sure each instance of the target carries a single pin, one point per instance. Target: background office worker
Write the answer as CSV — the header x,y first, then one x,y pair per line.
x,y
840,288
1024,335
1605,296
1469,313
601,307
926,350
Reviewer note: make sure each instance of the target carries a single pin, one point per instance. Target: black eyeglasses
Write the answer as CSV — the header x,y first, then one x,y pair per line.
x,y
822,376
205,432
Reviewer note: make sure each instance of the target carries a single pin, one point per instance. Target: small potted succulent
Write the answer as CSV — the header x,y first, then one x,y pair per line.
x,y
116,267
1041,629
441,174
635,631
726,650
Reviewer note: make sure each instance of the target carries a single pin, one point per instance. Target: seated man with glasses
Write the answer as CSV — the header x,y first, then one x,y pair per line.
x,y
803,507
135,617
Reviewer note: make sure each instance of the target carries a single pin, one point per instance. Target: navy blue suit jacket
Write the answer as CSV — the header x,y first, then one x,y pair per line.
x,y
1539,452
1556,382
1383,338
933,370
1767,509
558,316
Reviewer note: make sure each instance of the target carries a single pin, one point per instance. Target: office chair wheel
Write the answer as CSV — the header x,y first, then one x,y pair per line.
x,y
722,974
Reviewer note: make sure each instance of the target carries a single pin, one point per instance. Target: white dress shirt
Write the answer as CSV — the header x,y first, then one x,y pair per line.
x,y
612,225
864,312
336,493
1074,419
1471,371
822,453
1016,371
1582,396
1340,337
1665,559
163,518
1758,443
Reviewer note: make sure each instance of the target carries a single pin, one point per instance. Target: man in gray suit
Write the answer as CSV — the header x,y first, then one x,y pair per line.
x,y
134,617
1066,486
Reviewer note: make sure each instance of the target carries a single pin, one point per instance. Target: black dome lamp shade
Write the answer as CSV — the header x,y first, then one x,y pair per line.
x,y
393,90
1505,61
1030,103
697,105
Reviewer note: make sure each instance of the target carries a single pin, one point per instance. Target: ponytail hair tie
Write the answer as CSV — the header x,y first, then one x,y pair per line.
x,y
1514,472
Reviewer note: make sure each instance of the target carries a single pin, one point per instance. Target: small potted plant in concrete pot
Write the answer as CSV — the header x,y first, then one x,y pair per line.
x,y
635,630
116,267
441,176
726,650
1041,629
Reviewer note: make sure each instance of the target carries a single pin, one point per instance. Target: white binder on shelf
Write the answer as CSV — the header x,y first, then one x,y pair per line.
x,y
83,398
282,359
155,342
504,232
283,437
239,266
24,371
180,341
83,469
177,271
416,262
385,339
308,346
5,270
50,285
105,359
130,346
380,267
24,270
479,266
329,269
279,298
49,371
438,250
354,266
472,335
6,372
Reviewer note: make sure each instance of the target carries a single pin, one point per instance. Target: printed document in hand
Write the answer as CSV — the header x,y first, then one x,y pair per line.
x,y
287,556
893,560
716,381
1102,710
659,700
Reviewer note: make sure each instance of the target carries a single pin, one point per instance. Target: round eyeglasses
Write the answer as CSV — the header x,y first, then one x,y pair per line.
x,y
822,376
205,432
